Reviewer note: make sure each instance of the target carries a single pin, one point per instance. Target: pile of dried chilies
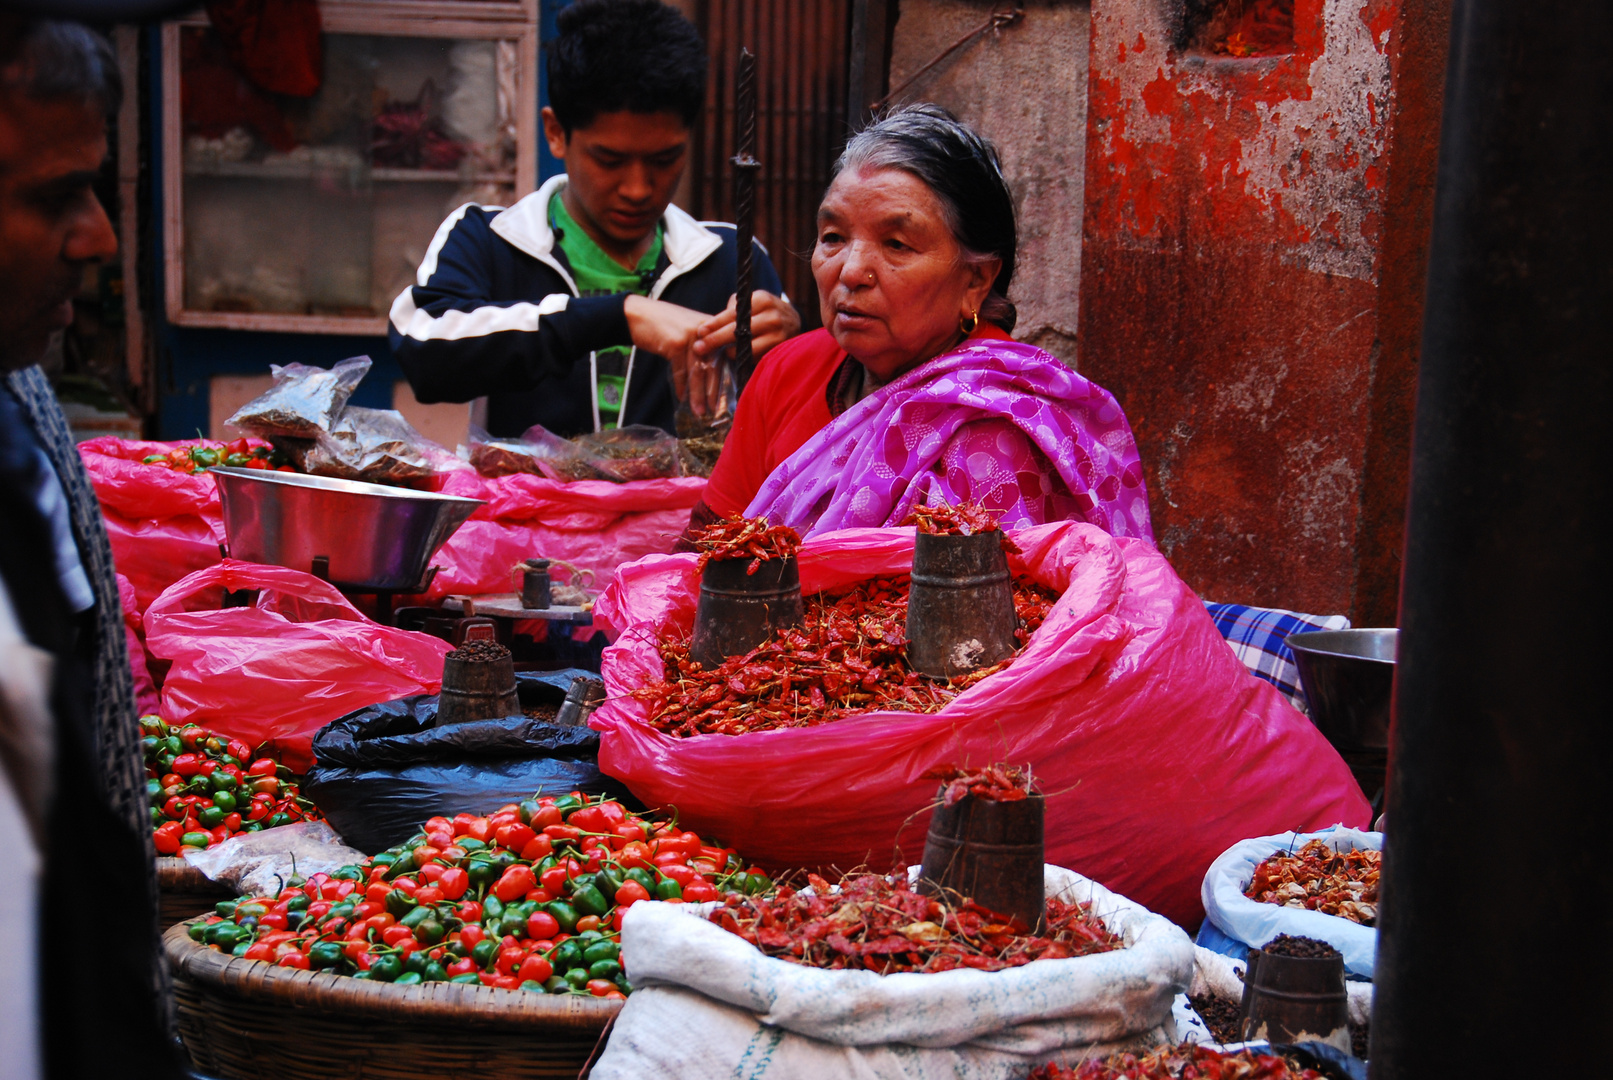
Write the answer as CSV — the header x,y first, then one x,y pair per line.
x,y
849,656
1189,1061
735,538
994,783
965,519
880,924
1317,878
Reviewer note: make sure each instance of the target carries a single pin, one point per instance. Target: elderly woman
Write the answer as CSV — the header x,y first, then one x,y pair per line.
x,y
913,393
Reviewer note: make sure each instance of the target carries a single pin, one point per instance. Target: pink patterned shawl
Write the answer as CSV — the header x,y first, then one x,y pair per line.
x,y
994,421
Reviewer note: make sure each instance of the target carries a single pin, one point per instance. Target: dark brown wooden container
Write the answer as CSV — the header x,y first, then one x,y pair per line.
x,y
477,690
960,613
1288,999
738,611
250,1020
990,852
184,892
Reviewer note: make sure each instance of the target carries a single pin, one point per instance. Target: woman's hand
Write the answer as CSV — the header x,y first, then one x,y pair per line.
x,y
669,330
772,320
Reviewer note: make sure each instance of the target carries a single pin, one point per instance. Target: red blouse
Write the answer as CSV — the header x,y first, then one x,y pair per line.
x,y
785,403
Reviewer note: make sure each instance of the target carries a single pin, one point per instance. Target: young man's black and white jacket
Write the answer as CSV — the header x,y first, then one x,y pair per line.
x,y
494,313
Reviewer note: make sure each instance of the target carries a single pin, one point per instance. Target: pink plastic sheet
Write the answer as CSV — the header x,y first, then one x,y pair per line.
x,y
593,524
298,658
1157,749
165,525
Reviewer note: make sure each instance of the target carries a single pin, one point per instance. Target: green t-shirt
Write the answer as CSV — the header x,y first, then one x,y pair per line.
x,y
597,274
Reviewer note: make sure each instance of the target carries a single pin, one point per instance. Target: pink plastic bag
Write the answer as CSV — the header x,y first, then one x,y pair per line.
x,y
1157,749
297,659
163,524
594,524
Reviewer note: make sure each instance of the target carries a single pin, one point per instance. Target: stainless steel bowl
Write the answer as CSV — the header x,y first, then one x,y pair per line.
x,y
1347,676
375,537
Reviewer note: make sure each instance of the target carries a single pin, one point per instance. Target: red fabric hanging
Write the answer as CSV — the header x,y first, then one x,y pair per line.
x,y
274,43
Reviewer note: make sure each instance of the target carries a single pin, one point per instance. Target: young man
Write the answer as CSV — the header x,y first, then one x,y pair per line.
x,y
584,304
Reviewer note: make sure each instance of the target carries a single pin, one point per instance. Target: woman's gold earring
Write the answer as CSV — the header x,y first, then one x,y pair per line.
x,y
969,326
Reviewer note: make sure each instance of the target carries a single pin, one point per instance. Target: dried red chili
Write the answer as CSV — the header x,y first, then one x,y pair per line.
x,y
1317,878
746,538
965,519
850,656
1188,1060
994,783
879,923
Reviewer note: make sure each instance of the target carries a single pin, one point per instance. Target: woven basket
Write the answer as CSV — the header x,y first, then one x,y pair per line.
x,y
250,1020
184,891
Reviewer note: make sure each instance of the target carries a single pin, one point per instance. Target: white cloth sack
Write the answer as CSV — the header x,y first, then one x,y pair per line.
x,y
1256,923
708,1003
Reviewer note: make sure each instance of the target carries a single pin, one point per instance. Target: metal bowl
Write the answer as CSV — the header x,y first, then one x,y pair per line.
x,y
374,537
1347,676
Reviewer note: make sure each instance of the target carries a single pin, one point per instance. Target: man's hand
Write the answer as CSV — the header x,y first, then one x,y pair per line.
x,y
772,320
669,330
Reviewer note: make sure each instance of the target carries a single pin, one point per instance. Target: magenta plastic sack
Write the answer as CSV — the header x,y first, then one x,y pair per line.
x,y
595,525
1158,750
163,524
298,658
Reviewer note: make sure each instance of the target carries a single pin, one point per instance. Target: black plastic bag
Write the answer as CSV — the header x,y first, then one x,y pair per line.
x,y
379,773
1330,1061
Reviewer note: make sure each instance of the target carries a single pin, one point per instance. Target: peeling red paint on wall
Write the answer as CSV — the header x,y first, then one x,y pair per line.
x,y
1234,216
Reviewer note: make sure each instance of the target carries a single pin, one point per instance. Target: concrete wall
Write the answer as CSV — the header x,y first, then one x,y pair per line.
x,y
1241,243
1236,232
1026,90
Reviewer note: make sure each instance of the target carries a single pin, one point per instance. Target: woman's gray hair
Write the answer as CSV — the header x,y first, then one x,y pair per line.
x,y
55,60
963,170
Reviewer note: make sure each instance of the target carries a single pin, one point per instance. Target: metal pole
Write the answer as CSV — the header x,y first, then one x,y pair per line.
x,y
745,169
1494,937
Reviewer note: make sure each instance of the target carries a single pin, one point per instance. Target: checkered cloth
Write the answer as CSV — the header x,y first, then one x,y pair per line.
x,y
1259,637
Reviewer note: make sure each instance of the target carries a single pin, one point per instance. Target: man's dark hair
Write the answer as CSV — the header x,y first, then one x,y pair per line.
x,y
625,56
52,60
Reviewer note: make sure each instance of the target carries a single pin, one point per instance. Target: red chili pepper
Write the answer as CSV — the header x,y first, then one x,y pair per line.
x,y
515,883
166,838
453,883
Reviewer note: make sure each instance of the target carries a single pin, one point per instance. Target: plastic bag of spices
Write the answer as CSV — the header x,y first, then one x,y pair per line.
x,y
538,452
303,401
1156,746
374,445
636,452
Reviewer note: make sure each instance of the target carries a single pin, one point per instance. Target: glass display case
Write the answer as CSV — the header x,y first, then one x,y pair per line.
x,y
312,213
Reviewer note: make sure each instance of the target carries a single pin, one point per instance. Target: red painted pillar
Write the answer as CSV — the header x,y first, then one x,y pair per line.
x,y
1237,223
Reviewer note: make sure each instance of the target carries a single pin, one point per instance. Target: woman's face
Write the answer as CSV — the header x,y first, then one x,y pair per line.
x,y
892,282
